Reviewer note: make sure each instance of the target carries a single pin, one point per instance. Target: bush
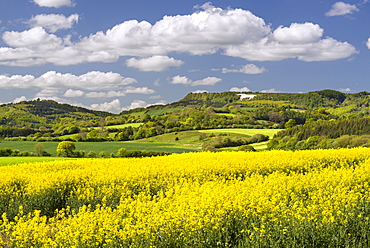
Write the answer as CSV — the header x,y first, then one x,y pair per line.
x,y
24,154
46,154
80,154
246,148
91,154
5,152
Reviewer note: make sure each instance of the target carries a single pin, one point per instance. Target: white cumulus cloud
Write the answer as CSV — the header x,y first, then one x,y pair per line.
x,y
35,38
54,3
155,63
53,22
16,81
74,93
113,106
368,43
186,81
200,91
298,33
108,94
234,32
341,8
53,83
243,89
286,43
20,99
272,90
345,90
246,69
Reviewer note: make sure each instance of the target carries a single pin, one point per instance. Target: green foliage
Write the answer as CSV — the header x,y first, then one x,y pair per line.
x,y
332,94
291,123
102,154
246,148
123,153
39,148
91,154
345,133
66,148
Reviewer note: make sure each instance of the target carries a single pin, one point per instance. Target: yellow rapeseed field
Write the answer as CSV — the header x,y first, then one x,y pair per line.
x,y
316,198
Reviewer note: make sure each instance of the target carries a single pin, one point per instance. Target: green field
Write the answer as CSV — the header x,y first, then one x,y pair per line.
x,y
162,111
19,160
107,147
260,146
226,114
249,132
122,125
187,141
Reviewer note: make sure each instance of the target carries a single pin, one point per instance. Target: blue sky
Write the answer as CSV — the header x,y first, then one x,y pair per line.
x,y
120,54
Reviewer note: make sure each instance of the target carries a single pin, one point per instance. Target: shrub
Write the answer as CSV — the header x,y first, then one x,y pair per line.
x,y
91,154
246,148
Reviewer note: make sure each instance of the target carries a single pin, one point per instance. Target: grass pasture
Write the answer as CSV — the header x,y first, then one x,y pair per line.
x,y
249,132
97,147
180,142
162,111
20,160
226,114
120,126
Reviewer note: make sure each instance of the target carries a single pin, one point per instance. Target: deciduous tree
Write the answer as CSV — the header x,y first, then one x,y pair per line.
x,y
66,148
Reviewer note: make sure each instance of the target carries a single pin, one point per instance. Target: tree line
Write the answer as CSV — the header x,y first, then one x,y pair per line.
x,y
345,133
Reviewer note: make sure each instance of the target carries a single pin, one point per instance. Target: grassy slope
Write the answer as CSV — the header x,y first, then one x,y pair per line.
x,y
123,125
250,132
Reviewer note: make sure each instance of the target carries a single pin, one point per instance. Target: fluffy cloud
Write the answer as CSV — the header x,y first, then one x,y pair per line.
x,y
54,3
236,89
48,93
53,22
20,99
345,90
113,106
341,8
247,69
108,94
94,80
298,33
186,81
368,43
200,91
235,32
74,93
16,81
155,63
36,38
288,43
137,104
271,91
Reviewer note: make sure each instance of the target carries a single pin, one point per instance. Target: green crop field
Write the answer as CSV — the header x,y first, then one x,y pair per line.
x,y
162,111
187,141
19,160
123,125
226,114
107,147
250,132
260,146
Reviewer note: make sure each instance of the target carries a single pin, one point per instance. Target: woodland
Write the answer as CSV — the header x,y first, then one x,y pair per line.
x,y
314,120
